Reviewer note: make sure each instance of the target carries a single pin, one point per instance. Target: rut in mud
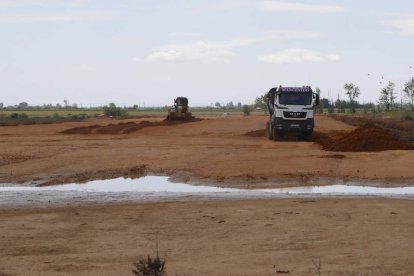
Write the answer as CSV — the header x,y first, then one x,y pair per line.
x,y
123,128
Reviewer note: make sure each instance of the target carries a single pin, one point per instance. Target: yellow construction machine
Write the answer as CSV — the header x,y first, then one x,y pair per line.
x,y
180,110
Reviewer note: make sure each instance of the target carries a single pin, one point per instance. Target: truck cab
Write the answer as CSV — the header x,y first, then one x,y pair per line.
x,y
291,111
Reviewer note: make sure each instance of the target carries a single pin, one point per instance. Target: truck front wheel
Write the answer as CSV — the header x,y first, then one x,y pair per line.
x,y
269,132
306,134
276,134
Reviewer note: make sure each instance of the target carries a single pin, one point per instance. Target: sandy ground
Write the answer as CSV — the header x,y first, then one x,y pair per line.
x,y
349,236
235,237
209,150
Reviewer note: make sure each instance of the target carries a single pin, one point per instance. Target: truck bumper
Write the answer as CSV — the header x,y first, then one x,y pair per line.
x,y
282,125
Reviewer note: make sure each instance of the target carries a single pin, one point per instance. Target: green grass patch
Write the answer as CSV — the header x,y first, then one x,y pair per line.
x,y
52,112
402,115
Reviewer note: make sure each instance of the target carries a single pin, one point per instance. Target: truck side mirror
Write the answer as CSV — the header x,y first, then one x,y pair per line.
x,y
317,100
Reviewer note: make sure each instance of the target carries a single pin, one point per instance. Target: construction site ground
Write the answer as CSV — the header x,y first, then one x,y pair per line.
x,y
371,236
227,150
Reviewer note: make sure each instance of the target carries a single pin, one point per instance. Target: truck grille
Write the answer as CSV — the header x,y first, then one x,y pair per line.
x,y
291,114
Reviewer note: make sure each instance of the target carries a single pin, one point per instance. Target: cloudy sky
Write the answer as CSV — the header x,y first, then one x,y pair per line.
x,y
92,52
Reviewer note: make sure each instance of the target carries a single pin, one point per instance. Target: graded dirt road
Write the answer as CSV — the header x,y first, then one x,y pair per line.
x,y
207,150
236,237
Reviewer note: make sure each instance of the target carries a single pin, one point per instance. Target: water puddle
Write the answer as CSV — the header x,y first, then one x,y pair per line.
x,y
119,185
152,188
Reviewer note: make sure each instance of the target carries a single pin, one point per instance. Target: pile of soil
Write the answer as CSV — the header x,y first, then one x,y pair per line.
x,y
83,177
364,139
122,128
256,133
404,128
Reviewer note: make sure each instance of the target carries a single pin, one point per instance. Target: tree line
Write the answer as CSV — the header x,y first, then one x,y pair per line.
x,y
386,101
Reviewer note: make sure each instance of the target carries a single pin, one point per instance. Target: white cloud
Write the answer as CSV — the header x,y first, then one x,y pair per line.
x,y
297,56
279,6
274,6
404,24
93,16
208,52
219,50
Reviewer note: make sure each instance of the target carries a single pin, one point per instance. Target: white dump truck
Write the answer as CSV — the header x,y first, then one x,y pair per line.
x,y
291,111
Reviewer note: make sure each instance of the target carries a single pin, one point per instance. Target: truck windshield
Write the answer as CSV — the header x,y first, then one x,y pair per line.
x,y
295,98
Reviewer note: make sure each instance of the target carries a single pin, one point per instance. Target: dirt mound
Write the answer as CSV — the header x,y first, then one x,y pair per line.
x,y
256,133
122,128
83,177
81,130
363,139
403,128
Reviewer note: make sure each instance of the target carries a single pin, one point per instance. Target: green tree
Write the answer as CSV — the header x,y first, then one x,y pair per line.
x,y
230,105
23,105
352,91
409,92
113,111
387,96
320,107
261,102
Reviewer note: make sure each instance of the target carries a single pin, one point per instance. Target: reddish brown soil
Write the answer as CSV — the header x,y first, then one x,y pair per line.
x,y
209,150
134,172
256,133
334,156
122,128
402,128
237,237
364,139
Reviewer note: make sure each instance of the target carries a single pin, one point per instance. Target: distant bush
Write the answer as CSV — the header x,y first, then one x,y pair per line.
x,y
246,110
56,115
14,115
407,117
149,267
368,124
114,111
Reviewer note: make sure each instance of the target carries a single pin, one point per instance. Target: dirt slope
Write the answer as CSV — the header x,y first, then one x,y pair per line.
x,y
363,139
